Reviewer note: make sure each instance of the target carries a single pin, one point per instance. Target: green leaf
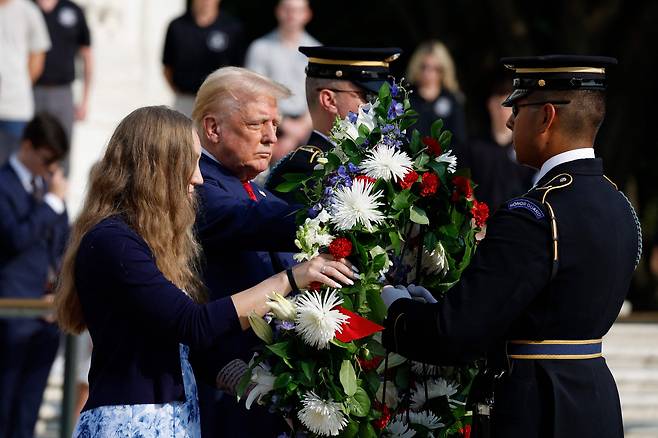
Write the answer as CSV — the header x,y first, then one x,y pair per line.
x,y
415,144
436,128
378,262
421,161
367,431
281,350
359,403
418,215
384,91
288,186
401,200
377,306
348,377
308,368
244,382
282,380
444,139
351,430
395,240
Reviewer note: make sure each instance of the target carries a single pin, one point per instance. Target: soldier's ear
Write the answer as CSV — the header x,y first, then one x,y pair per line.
x,y
547,117
211,129
327,101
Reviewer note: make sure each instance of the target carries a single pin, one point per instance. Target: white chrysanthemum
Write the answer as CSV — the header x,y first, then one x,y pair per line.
x,y
317,321
447,157
435,388
434,262
264,381
392,396
357,205
321,417
398,428
426,419
387,163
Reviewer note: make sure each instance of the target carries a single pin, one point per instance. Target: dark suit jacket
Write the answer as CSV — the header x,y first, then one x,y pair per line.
x,y
137,318
508,292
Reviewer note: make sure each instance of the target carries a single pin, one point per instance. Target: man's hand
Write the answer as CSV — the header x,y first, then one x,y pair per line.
x,y
421,293
58,185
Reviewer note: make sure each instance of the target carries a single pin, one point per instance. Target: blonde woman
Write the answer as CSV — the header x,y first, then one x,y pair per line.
x,y
130,277
431,71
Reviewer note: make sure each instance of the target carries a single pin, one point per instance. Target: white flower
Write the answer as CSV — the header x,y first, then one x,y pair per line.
x,y
311,236
317,321
448,158
344,130
435,388
424,369
366,115
426,419
283,308
357,205
264,381
387,163
392,395
347,129
434,262
398,428
321,417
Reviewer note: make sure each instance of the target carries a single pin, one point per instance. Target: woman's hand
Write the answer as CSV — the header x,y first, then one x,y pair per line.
x,y
324,269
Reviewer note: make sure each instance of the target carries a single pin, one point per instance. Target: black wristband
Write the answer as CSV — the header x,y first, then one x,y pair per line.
x,y
291,280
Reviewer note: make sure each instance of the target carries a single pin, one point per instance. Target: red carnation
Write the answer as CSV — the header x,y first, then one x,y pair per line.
x,y
462,187
465,431
409,179
365,179
340,248
433,145
370,364
314,286
382,421
429,184
480,212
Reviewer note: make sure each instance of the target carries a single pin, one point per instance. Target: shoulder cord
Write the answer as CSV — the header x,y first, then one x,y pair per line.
x,y
638,225
565,180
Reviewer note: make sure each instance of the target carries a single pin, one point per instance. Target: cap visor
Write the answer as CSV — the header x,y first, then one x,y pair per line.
x,y
516,94
372,86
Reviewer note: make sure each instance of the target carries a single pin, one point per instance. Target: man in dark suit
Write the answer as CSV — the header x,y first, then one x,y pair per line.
x,y
240,224
33,233
338,80
549,279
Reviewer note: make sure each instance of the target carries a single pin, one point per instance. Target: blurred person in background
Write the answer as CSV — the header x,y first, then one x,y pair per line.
x,y
276,56
33,233
492,159
70,38
197,43
23,44
436,93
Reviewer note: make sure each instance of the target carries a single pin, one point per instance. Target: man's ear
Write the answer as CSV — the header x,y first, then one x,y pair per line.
x,y
211,129
327,101
548,116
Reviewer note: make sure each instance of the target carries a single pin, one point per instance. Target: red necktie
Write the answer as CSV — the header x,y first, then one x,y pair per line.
x,y
249,190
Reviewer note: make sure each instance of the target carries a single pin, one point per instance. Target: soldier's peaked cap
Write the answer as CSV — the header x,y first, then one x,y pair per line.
x,y
366,67
556,72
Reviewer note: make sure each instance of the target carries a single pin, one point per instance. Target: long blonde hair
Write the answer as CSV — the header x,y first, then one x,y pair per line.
x,y
441,54
143,176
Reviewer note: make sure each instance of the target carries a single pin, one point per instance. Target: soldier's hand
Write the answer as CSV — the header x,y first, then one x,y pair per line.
x,y
390,294
421,293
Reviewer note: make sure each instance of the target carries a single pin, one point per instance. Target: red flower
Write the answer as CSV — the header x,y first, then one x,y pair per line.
x,y
314,286
429,184
340,248
365,179
462,187
433,145
465,431
382,421
371,364
480,212
409,179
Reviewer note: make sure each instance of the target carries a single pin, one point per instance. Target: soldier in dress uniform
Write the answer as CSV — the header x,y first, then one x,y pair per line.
x,y
338,80
549,279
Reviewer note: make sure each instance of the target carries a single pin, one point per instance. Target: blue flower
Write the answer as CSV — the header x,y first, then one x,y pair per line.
x,y
352,117
395,110
352,168
388,128
395,90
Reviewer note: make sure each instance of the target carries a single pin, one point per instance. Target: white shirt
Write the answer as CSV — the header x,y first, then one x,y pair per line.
x,y
25,177
564,157
22,31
